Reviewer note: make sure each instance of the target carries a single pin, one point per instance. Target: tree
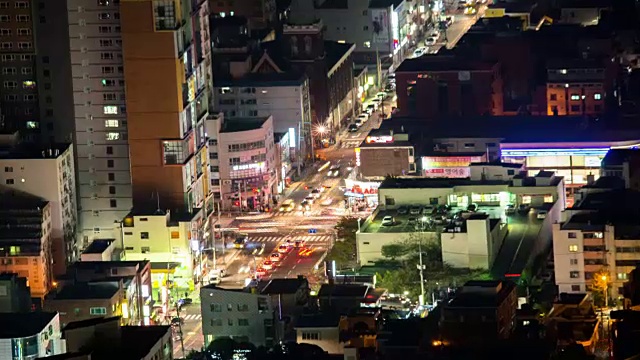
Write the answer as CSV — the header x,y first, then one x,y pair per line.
x,y
343,253
346,228
600,286
394,251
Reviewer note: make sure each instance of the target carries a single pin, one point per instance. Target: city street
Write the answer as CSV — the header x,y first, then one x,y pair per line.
x,y
311,229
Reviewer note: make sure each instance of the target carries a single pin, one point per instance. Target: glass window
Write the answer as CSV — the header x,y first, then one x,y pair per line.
x,y
526,199
111,136
173,152
548,199
574,274
111,123
110,110
572,235
573,248
215,308
98,311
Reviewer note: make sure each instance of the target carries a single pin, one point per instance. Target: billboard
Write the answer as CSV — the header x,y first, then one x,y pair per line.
x,y
452,172
380,22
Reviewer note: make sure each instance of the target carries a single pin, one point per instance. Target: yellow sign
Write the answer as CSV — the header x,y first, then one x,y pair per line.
x,y
494,13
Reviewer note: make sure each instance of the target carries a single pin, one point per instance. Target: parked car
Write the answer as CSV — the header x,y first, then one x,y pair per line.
x,y
353,128
524,208
449,20
420,51
435,35
382,95
388,221
542,214
427,210
472,207
364,117
510,209
415,210
430,41
403,210
315,193
371,108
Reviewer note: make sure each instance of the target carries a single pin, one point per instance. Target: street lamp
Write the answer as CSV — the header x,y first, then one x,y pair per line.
x,y
606,290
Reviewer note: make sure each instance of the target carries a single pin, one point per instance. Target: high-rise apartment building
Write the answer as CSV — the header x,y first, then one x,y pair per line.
x,y
166,50
19,98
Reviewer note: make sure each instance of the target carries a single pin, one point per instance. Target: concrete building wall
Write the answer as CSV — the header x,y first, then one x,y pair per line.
x,y
380,162
576,99
326,338
104,181
52,179
83,309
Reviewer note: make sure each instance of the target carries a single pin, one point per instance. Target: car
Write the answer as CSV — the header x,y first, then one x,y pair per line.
x,y
419,51
449,20
510,209
542,214
283,249
267,265
305,205
427,210
403,210
260,272
305,252
326,202
364,117
241,241
469,10
524,208
287,206
353,128
412,221
358,122
388,221
472,207
309,199
370,109
391,76
430,41
177,321
298,244
415,210
275,257
376,101
435,35
382,95
315,193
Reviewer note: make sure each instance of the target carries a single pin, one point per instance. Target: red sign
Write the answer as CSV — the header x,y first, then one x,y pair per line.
x,y
379,139
358,190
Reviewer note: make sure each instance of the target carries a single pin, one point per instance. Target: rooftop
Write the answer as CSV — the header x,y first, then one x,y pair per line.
x,y
87,291
343,290
17,325
242,124
284,286
616,157
175,216
99,266
514,7
17,200
318,321
481,293
443,63
573,63
98,246
274,79
335,51
615,207
514,129
89,323
32,151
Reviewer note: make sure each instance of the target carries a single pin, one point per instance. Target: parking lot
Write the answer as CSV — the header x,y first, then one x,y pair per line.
x,y
412,221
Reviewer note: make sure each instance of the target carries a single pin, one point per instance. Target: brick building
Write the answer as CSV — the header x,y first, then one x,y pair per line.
x,y
430,87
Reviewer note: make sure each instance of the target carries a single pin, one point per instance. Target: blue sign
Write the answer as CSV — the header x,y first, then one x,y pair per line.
x,y
313,231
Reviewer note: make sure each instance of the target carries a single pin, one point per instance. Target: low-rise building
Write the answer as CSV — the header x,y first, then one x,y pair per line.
x,y
81,301
136,280
25,239
14,294
599,234
577,87
572,320
47,173
167,239
102,250
623,164
436,86
104,339
243,161
322,330
244,315
29,335
343,298
470,240
481,311
292,297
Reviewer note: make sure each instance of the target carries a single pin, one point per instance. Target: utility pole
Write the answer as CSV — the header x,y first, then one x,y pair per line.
x,y
180,328
421,264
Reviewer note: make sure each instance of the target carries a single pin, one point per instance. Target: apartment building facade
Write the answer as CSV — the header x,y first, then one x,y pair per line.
x,y
47,173
594,240
100,116
165,69
243,161
19,99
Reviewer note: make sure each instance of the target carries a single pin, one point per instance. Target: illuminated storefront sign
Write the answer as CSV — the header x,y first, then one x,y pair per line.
x,y
436,162
259,165
449,172
357,156
361,188
292,137
554,152
379,139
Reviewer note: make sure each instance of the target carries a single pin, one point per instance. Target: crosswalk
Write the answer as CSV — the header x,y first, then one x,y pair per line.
x,y
308,238
349,144
192,317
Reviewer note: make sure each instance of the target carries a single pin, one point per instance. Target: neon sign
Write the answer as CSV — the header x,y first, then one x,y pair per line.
x,y
379,139
357,156
554,152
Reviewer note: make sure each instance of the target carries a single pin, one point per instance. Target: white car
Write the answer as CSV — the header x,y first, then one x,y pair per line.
x,y
542,214
430,41
388,221
309,199
382,95
358,122
435,35
326,202
419,51
363,117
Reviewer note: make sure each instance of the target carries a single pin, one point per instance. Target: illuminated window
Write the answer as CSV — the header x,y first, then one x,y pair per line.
x,y
622,276
597,96
573,248
526,199
98,311
33,124
111,123
367,44
575,97
175,235
110,110
548,199
111,136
